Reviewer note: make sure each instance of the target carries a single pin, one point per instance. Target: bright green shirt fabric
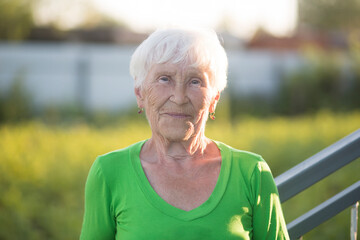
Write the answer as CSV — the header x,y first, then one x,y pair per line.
x,y
121,204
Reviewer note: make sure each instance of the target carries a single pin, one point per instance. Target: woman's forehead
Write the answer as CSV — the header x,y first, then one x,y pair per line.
x,y
177,67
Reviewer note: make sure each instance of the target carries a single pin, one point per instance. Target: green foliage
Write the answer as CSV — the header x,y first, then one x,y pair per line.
x,y
15,105
327,81
354,52
315,86
44,167
16,19
330,14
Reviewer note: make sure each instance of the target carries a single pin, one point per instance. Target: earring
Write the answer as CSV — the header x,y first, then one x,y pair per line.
x,y
212,115
140,110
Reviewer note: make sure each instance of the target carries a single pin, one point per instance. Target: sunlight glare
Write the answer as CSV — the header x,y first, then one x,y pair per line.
x,y
240,17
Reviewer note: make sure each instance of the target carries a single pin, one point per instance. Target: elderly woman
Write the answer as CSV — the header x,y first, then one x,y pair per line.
x,y
179,184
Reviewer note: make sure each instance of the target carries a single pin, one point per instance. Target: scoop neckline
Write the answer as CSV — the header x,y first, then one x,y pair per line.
x,y
168,209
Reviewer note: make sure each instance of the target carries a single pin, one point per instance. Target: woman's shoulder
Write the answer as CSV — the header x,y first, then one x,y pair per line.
x,y
239,154
243,160
118,158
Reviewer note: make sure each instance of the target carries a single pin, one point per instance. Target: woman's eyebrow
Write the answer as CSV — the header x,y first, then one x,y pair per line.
x,y
198,73
165,72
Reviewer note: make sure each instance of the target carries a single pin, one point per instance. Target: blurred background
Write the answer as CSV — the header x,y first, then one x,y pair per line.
x,y
66,95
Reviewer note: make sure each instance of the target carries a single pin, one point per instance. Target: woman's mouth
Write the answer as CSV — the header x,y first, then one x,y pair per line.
x,y
178,115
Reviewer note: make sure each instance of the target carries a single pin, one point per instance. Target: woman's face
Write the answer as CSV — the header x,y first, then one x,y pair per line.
x,y
177,99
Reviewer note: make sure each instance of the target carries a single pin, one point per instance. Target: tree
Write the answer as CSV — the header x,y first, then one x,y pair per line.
x,y
16,19
71,14
327,15
19,17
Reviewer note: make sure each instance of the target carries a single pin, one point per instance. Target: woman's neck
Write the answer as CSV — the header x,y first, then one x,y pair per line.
x,y
160,149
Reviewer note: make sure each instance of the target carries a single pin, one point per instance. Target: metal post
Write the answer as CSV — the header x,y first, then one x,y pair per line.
x,y
354,221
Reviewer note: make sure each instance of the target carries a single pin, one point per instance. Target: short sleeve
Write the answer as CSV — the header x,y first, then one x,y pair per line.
x,y
268,219
99,220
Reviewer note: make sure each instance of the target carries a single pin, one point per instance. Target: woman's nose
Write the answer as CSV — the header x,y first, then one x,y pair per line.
x,y
179,94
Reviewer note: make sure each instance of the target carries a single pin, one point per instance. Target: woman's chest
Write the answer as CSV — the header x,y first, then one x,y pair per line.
x,y
142,219
185,190
142,213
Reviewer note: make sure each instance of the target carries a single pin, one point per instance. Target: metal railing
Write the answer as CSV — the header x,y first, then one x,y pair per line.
x,y
313,170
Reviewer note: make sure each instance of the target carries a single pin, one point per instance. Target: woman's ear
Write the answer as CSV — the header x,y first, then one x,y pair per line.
x,y
139,97
214,102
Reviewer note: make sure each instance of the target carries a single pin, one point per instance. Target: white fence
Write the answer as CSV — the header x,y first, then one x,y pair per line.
x,y
97,76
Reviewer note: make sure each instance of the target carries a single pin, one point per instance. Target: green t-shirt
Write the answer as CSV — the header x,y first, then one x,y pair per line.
x,y
121,204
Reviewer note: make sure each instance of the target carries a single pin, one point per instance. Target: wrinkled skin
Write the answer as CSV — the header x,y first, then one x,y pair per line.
x,y
181,164
177,100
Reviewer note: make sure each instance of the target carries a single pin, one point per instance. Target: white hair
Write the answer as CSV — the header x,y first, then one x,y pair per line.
x,y
199,46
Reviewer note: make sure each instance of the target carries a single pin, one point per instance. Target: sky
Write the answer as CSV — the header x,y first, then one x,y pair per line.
x,y
240,17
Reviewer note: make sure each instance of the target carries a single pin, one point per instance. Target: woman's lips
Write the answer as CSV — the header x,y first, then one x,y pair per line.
x,y
178,115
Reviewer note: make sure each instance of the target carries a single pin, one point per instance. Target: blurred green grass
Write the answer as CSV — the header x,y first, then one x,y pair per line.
x,y
44,167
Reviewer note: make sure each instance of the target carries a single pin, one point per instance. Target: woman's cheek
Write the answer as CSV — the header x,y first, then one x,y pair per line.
x,y
206,102
152,97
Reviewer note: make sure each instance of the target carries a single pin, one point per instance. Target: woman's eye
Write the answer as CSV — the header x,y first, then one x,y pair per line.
x,y
164,79
195,82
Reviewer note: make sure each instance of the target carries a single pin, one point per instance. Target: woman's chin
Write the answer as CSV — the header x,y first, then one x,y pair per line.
x,y
177,137
177,132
